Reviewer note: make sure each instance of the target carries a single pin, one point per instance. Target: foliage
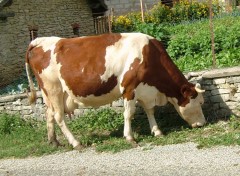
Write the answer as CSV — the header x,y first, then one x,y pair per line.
x,y
183,10
152,29
190,44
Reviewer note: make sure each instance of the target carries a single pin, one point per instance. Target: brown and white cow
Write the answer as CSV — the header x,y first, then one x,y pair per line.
x,y
93,71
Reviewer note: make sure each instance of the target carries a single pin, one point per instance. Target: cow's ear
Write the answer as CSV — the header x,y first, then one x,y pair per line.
x,y
186,91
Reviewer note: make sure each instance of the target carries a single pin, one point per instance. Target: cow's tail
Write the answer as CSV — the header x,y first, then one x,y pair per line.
x,y
32,96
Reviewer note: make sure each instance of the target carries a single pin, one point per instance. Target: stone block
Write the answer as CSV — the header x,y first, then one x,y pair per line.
x,y
219,98
118,103
233,80
26,107
237,96
219,81
39,100
216,105
209,87
26,112
18,102
215,92
236,79
207,81
231,105
224,91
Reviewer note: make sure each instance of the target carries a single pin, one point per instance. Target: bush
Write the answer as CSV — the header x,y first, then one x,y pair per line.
x,y
9,124
190,44
161,14
152,29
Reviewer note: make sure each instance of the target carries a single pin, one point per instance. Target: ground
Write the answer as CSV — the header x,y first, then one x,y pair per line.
x,y
180,159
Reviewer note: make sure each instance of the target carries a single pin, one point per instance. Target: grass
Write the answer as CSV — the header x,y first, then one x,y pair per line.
x,y
102,129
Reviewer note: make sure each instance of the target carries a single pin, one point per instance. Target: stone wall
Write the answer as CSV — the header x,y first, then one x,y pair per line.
x,y
222,97
51,17
125,6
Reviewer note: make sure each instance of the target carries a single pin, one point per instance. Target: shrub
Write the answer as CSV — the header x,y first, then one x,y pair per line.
x,y
160,13
190,44
183,10
9,124
152,29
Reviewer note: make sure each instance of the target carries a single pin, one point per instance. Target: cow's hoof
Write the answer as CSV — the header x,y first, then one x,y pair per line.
x,y
55,143
79,147
158,133
133,143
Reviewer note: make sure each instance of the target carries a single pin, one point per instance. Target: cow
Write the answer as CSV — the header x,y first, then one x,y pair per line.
x,y
92,71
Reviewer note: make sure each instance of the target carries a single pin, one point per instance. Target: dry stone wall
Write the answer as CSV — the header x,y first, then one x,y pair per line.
x,y
51,17
222,98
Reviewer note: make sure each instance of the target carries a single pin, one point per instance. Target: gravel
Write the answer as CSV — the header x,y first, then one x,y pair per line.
x,y
180,159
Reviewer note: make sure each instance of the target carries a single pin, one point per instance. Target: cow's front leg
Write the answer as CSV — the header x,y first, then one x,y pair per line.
x,y
128,115
152,122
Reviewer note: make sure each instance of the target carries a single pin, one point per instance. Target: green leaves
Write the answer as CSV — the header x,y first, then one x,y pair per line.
x,y
155,30
190,44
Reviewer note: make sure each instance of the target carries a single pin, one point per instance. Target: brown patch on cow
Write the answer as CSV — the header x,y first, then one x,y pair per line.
x,y
130,80
159,70
83,62
39,60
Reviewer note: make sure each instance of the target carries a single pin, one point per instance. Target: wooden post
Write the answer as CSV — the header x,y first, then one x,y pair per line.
x,y
33,31
212,34
110,20
75,27
141,3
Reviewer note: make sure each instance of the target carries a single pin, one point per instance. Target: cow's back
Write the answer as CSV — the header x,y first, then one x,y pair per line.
x,y
89,69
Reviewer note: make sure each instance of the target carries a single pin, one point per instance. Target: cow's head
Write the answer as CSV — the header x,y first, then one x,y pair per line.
x,y
191,110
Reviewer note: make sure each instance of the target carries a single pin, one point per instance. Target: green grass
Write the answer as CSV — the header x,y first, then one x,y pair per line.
x,y
102,129
20,138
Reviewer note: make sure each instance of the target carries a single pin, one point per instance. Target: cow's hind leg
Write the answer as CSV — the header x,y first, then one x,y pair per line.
x,y
51,128
128,115
58,106
50,122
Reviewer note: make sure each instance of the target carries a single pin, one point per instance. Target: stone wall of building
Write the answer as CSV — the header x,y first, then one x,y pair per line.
x,y
222,98
53,18
125,6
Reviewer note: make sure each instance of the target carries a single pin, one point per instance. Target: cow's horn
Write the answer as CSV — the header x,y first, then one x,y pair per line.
x,y
198,88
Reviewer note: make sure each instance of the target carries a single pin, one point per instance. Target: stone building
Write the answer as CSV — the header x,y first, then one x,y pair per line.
x,y
53,17
125,6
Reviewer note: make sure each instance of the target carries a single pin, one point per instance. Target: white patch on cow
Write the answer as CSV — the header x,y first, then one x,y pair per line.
x,y
149,96
192,112
47,43
121,55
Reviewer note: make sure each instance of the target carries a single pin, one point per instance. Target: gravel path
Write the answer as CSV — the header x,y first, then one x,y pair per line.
x,y
180,159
